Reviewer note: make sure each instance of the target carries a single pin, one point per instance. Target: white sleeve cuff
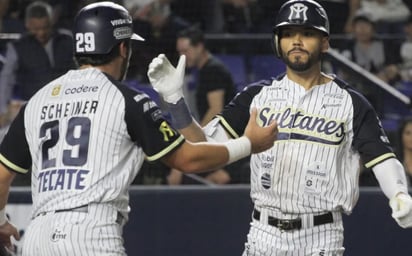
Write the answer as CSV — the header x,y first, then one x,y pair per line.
x,y
391,177
238,148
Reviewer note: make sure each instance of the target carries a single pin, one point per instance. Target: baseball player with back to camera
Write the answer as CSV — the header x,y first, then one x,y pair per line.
x,y
84,137
302,185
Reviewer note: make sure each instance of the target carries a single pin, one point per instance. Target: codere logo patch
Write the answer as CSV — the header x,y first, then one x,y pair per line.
x,y
56,90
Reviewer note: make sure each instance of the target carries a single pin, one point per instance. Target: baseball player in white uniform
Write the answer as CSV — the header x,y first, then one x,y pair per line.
x,y
302,185
84,137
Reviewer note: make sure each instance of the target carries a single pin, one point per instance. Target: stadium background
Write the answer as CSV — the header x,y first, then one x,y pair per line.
x,y
206,219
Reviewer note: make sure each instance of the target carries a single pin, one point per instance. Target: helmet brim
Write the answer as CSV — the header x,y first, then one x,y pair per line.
x,y
137,37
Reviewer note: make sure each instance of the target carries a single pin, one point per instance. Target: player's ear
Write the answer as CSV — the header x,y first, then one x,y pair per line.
x,y
325,43
123,49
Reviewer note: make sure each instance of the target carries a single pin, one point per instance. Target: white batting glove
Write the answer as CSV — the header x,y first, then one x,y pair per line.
x,y
401,206
166,79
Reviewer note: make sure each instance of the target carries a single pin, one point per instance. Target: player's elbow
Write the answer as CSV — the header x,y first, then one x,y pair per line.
x,y
188,159
189,164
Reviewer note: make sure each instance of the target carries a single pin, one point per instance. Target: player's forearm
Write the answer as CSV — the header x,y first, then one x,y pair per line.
x,y
201,157
391,177
184,122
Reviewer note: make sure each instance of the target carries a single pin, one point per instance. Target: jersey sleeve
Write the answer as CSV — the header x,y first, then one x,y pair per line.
x,y
235,115
148,127
370,139
14,149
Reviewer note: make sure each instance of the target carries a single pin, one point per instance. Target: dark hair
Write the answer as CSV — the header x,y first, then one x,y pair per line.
x,y
363,18
101,59
401,129
194,34
38,9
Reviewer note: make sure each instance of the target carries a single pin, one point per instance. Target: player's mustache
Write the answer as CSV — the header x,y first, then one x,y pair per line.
x,y
297,49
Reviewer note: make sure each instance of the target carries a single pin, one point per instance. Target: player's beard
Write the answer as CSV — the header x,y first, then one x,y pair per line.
x,y
296,64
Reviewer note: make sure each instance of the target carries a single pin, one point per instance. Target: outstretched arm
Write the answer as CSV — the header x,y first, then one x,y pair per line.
x,y
198,157
204,156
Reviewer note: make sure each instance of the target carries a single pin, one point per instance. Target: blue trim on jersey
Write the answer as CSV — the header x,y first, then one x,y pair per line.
x,y
303,137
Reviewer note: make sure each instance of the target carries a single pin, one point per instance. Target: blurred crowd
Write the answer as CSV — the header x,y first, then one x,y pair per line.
x,y
36,47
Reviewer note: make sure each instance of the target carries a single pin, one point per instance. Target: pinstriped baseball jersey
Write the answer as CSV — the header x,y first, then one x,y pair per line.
x,y
324,133
84,136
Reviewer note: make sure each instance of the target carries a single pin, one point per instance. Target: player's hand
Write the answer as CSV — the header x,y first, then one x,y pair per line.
x,y
166,79
401,206
8,230
261,138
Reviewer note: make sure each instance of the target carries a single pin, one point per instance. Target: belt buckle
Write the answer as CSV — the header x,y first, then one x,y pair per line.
x,y
286,225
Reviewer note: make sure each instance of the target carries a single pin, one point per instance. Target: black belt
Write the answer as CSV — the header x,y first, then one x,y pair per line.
x,y
290,224
83,208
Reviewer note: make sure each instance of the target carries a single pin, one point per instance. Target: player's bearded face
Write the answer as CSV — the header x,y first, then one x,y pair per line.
x,y
301,47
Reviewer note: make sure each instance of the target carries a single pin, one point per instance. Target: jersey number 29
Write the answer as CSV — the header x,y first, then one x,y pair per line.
x,y
76,136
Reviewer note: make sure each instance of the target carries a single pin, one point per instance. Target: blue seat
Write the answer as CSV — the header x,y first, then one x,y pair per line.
x,y
405,88
390,124
265,66
236,65
394,107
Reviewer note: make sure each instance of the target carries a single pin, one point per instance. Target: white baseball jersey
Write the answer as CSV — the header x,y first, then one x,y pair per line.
x,y
84,137
324,133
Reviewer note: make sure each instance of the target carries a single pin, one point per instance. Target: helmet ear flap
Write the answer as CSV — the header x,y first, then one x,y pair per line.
x,y
275,45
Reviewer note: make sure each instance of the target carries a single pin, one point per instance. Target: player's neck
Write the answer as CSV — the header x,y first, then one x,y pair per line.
x,y
308,79
111,70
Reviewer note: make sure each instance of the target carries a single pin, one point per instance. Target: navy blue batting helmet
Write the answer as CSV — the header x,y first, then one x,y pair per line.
x,y
306,13
98,27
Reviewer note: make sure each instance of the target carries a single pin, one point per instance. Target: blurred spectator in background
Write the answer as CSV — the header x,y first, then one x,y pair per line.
x,y
11,28
208,14
404,146
388,15
33,60
401,72
64,12
8,23
214,89
343,12
241,16
156,23
368,51
364,48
